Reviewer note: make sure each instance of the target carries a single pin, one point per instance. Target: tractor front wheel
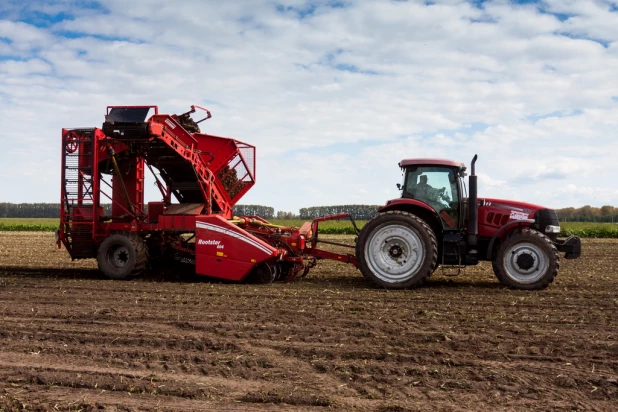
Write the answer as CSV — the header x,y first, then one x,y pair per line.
x,y
122,255
396,250
526,259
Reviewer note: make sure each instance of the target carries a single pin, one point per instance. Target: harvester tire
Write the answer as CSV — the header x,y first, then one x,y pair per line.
x,y
263,273
526,259
122,255
396,250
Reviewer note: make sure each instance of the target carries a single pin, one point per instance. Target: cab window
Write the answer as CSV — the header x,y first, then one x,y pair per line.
x,y
437,187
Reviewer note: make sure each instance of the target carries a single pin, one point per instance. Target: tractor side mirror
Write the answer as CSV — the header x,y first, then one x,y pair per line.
x,y
399,186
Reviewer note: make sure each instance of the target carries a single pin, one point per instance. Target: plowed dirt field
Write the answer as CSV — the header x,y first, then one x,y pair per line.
x,y
71,340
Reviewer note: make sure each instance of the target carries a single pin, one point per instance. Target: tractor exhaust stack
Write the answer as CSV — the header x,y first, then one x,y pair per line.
x,y
473,216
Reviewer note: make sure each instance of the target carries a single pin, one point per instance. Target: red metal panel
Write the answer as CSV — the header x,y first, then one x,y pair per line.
x,y
235,250
222,268
98,136
155,209
325,254
495,213
132,176
175,129
395,203
430,162
177,222
222,149
512,204
185,209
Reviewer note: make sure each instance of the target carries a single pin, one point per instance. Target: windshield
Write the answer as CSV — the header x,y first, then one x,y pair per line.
x,y
436,186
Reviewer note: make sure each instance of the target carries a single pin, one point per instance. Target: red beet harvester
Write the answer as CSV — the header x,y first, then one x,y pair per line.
x,y
207,175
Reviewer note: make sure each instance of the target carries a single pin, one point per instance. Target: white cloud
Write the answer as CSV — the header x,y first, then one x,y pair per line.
x,y
332,100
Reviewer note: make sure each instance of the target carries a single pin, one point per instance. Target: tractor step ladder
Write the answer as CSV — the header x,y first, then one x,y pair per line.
x,y
78,204
451,253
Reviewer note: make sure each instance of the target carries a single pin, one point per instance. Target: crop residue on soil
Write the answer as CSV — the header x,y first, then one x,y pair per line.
x,y
72,340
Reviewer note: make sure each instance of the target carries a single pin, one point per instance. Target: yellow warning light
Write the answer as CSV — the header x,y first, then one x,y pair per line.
x,y
219,253
253,261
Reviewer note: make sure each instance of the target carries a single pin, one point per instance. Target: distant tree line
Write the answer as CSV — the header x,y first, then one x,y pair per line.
x,y
286,215
588,214
36,210
52,210
265,212
361,212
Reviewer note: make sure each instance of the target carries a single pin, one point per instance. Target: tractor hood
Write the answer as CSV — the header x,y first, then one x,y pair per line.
x,y
495,213
518,210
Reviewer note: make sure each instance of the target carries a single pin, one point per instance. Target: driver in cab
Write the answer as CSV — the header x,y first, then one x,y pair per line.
x,y
423,190
427,194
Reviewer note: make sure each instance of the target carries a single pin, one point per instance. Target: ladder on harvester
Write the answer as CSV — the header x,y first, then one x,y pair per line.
x,y
78,212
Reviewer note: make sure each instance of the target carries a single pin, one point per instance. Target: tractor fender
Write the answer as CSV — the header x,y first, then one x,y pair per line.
x,y
505,229
393,205
420,209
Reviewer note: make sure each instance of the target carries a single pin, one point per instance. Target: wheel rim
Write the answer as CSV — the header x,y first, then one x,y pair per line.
x,y
118,256
394,253
525,262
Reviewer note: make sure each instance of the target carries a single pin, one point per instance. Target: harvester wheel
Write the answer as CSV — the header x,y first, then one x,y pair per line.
x,y
122,255
526,259
263,273
396,250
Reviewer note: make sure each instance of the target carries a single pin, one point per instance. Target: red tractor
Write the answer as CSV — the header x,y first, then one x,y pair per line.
x,y
427,227
201,177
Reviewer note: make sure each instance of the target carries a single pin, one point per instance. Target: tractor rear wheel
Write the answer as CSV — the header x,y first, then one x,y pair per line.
x,y
526,259
122,255
396,250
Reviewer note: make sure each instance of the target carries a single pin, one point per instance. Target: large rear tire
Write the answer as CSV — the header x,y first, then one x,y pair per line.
x,y
526,259
396,250
122,255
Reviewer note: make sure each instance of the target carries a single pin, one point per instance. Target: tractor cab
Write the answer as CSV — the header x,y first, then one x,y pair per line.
x,y
438,183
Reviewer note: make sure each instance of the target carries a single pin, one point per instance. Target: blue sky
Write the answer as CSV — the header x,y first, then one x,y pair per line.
x,y
333,93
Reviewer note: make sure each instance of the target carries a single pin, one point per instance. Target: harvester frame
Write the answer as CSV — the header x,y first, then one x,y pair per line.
x,y
206,174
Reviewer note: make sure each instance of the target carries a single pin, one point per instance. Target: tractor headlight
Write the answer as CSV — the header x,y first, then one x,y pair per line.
x,y
552,229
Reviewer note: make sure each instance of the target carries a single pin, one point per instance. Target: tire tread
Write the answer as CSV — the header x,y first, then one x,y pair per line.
x,y
141,255
388,216
545,281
